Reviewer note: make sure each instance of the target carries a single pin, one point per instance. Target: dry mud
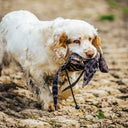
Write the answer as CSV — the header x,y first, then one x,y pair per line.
x,y
106,94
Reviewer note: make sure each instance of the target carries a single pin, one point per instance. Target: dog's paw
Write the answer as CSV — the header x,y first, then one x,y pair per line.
x,y
50,106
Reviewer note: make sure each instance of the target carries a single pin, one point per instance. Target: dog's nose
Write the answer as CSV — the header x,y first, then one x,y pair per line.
x,y
90,53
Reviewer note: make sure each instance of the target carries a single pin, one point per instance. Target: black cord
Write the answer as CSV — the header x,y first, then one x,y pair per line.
x,y
77,106
74,83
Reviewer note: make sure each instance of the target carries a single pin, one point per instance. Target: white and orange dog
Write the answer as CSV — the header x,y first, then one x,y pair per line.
x,y
41,47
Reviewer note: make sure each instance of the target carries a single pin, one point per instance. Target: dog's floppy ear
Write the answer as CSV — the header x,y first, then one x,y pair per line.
x,y
61,47
97,43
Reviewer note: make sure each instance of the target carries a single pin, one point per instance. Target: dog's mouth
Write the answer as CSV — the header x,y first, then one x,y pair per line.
x,y
84,59
75,62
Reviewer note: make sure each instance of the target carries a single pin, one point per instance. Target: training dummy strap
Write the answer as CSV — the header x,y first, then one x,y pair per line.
x,y
76,63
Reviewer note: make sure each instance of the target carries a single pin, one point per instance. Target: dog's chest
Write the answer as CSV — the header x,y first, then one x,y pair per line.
x,y
48,78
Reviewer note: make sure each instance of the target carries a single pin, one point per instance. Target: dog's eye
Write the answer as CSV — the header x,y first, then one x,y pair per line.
x,y
76,41
89,38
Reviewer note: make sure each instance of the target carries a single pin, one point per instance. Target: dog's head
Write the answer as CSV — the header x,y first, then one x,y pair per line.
x,y
76,36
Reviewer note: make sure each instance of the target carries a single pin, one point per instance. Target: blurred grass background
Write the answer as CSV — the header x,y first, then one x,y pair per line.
x,y
76,9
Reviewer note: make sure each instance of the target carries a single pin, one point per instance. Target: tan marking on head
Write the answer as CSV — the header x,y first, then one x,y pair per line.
x,y
62,41
97,43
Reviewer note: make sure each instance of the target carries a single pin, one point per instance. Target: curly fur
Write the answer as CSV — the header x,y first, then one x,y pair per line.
x,y
40,47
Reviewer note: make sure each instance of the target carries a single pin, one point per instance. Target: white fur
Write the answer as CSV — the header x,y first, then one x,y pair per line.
x,y
31,43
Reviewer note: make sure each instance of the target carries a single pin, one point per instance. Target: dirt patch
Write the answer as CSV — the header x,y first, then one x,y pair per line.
x,y
103,103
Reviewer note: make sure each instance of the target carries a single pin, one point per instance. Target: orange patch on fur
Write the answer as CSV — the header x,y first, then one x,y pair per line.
x,y
62,41
97,43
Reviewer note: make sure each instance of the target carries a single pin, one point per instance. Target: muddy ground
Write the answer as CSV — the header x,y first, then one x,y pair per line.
x,y
104,102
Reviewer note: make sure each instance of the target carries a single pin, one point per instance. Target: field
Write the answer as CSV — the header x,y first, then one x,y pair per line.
x,y
104,102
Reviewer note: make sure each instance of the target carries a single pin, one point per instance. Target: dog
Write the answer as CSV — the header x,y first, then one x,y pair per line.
x,y
41,47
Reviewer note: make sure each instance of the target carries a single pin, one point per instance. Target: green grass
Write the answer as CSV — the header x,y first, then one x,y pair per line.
x,y
100,115
124,10
113,3
52,123
119,5
109,17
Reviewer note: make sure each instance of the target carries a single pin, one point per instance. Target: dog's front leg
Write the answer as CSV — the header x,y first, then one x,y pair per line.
x,y
45,97
41,89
